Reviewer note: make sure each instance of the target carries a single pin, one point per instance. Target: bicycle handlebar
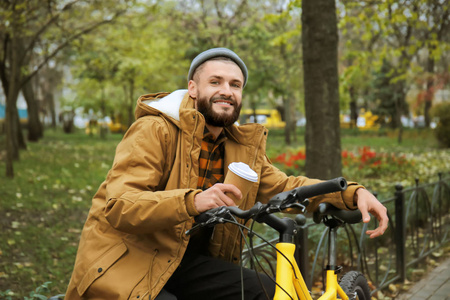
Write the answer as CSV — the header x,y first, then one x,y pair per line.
x,y
300,194
280,202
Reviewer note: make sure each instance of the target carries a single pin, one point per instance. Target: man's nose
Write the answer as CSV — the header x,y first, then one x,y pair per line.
x,y
225,90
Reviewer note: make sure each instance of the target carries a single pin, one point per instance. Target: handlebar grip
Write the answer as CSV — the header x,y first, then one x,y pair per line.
x,y
330,186
348,216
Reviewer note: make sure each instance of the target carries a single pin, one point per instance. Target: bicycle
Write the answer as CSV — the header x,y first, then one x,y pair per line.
x,y
289,280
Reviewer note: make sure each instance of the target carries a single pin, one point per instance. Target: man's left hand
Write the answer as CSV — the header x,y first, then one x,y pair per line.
x,y
367,203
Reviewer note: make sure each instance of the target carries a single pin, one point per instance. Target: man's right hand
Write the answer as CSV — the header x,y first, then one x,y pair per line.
x,y
215,196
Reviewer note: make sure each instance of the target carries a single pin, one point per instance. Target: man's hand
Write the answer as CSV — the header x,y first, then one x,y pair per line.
x,y
367,203
215,197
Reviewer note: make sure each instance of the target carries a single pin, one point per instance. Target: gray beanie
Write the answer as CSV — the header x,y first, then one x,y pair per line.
x,y
217,52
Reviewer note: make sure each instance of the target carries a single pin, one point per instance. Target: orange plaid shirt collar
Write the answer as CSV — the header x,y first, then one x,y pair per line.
x,y
211,160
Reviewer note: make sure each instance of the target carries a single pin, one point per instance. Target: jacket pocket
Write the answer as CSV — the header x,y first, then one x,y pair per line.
x,y
100,266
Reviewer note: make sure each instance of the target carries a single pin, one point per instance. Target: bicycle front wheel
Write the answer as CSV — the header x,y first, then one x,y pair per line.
x,y
355,286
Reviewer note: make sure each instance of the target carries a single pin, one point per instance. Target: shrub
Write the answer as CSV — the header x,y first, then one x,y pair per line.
x,y
442,131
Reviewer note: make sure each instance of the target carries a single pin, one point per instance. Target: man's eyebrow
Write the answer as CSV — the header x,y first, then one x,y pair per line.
x,y
221,78
216,77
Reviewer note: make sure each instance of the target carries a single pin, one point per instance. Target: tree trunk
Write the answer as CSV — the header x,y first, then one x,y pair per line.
x,y
322,136
103,127
287,119
400,96
50,100
35,129
353,108
132,104
12,125
430,89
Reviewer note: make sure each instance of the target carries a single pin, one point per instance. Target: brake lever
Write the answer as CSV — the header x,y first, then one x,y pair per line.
x,y
217,216
299,206
211,221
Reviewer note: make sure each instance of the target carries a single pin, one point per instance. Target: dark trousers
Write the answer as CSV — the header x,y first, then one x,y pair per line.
x,y
204,277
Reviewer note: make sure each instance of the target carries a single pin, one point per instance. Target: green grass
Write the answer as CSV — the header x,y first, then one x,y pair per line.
x,y
44,207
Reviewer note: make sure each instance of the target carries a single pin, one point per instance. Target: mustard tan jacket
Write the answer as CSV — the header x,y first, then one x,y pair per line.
x,y
134,236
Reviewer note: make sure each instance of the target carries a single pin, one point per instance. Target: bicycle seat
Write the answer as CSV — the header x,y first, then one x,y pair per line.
x,y
346,216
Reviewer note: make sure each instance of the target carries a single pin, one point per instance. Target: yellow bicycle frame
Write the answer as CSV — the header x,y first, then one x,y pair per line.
x,y
296,286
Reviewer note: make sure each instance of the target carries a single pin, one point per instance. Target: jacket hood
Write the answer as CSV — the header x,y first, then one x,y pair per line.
x,y
168,104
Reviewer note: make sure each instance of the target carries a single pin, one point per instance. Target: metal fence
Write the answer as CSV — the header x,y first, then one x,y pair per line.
x,y
418,227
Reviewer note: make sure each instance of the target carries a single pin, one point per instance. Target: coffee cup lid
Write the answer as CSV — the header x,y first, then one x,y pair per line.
x,y
243,170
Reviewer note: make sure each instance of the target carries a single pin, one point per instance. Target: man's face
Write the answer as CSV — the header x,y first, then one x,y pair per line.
x,y
217,89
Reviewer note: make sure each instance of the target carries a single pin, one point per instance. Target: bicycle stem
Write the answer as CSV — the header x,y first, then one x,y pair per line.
x,y
286,227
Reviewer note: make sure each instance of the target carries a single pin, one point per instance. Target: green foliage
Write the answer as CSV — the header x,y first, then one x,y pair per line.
x,y
442,130
388,95
136,55
38,293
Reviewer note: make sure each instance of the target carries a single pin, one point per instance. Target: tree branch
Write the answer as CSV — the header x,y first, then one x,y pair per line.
x,y
44,28
66,43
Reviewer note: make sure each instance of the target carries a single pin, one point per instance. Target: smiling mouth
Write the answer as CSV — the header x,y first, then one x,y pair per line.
x,y
223,103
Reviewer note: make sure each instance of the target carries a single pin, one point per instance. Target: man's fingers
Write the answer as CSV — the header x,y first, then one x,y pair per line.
x,y
382,226
222,198
230,188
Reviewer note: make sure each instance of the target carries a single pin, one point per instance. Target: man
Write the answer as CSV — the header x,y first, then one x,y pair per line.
x,y
169,168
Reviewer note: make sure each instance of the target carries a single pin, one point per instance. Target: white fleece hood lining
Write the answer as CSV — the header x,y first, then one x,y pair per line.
x,y
170,105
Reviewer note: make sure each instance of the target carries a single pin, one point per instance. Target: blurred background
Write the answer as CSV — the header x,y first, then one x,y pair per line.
x,y
71,72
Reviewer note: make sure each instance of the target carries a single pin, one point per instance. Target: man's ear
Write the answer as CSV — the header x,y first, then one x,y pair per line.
x,y
192,89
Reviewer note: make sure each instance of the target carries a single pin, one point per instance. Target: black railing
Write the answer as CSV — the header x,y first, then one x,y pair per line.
x,y
418,226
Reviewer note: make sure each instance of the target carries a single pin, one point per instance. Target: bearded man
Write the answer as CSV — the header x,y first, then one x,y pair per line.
x,y
169,168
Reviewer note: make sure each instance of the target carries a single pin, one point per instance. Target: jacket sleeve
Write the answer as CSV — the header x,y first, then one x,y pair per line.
x,y
274,181
135,198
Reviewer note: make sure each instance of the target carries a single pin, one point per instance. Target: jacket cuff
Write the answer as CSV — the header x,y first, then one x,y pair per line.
x,y
349,195
190,207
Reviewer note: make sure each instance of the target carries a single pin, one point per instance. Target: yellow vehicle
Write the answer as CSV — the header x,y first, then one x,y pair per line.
x,y
117,127
113,124
366,121
270,118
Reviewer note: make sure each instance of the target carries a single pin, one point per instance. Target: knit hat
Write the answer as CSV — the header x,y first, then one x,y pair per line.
x,y
216,52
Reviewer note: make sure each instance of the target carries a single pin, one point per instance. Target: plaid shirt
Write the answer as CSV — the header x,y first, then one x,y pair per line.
x,y
211,160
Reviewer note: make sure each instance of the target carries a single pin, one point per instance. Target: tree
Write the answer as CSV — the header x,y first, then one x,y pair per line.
x,y
109,72
437,14
398,33
387,93
32,35
359,23
320,42
286,56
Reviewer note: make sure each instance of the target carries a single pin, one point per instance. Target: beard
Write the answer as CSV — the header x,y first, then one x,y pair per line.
x,y
222,119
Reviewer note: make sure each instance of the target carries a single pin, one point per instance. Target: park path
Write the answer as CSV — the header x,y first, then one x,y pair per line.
x,y
434,286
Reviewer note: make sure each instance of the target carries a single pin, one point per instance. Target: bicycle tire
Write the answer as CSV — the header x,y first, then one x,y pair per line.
x,y
355,286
